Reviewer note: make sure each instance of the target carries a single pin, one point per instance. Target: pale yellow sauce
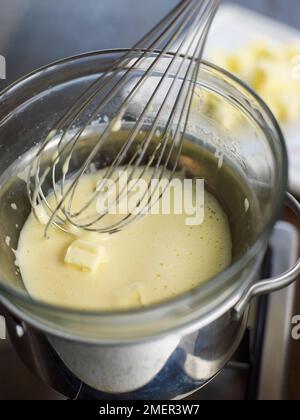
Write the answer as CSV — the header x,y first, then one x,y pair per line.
x,y
153,259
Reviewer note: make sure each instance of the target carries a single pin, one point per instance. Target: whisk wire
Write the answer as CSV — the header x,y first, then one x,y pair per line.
x,y
189,8
189,24
120,225
107,131
132,135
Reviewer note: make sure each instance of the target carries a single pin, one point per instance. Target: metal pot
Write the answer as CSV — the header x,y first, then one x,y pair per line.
x,y
171,349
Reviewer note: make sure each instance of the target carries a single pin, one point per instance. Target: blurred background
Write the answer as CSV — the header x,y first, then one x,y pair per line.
x,y
34,33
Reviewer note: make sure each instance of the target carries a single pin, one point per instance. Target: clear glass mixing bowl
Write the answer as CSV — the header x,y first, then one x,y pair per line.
x,y
227,121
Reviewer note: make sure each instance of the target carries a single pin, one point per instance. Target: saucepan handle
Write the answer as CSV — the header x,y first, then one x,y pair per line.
x,y
275,283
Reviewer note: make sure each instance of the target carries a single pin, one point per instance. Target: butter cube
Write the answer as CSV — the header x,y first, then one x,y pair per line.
x,y
131,296
86,255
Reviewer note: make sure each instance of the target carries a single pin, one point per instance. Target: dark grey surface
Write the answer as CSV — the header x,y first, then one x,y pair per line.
x,y
35,32
16,381
42,31
287,11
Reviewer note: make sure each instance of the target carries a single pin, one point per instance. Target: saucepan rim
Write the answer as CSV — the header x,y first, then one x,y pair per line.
x,y
15,298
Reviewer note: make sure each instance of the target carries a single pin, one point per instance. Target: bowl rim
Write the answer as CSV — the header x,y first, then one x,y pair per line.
x,y
9,294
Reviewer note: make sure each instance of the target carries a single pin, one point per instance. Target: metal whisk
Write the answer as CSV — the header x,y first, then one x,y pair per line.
x,y
172,52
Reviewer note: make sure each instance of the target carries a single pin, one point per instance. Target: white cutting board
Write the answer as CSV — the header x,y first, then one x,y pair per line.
x,y
235,27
